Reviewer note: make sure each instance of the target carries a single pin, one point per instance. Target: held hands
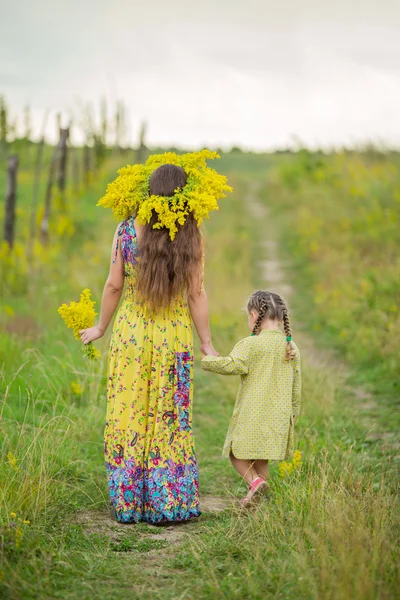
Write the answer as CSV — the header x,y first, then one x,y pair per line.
x,y
91,334
207,349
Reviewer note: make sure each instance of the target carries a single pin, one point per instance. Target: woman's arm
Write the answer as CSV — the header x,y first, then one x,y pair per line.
x,y
237,363
111,295
198,306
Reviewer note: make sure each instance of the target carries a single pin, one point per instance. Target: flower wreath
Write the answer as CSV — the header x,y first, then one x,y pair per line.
x,y
130,192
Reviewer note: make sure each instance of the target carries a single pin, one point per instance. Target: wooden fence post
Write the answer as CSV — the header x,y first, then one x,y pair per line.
x,y
75,170
86,164
62,164
11,198
44,227
36,187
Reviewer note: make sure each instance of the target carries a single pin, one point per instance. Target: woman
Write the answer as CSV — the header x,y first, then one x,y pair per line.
x,y
149,445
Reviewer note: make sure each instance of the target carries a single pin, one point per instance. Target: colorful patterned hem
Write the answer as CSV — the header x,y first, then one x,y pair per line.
x,y
154,495
132,516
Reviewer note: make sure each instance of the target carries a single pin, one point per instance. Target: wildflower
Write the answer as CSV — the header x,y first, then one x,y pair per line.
x,y
64,227
130,192
18,537
26,522
13,461
76,388
81,315
13,515
296,461
9,310
287,468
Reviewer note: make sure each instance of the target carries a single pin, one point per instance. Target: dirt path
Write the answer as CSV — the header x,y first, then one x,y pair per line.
x,y
142,535
276,275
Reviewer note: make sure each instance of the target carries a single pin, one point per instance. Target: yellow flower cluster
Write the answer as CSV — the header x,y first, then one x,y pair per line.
x,y
130,192
81,315
287,468
76,388
13,266
13,536
12,461
64,226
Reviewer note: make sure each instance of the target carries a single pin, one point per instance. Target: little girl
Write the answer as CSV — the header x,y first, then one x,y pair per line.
x,y
268,401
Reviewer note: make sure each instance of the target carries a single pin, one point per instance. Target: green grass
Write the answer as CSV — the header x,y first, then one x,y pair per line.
x,y
339,222
329,531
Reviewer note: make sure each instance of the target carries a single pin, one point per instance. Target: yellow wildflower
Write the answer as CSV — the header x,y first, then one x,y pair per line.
x,y
13,461
287,468
9,310
80,315
130,192
18,536
64,227
297,456
76,388
26,522
13,515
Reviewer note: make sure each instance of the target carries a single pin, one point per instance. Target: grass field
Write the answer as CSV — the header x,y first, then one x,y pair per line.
x,y
330,529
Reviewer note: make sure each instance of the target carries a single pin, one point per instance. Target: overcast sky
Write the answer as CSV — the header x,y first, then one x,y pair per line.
x,y
212,73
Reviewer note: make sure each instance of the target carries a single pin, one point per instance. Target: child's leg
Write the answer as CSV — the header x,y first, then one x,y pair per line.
x,y
244,468
261,468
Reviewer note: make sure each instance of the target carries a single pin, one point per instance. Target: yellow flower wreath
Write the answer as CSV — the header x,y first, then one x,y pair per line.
x,y
130,192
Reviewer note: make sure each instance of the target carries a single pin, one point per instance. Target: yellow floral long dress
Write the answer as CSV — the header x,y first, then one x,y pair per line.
x,y
149,447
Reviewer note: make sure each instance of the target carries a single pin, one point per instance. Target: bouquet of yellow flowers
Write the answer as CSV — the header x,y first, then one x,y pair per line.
x,y
81,315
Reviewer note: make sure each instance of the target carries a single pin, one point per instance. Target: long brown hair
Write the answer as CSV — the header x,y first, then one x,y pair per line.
x,y
166,267
272,306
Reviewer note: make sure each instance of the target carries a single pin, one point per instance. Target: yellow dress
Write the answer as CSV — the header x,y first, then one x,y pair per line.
x,y
149,447
262,425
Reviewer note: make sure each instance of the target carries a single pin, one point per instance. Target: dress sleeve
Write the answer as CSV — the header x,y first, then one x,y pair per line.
x,y
296,392
237,363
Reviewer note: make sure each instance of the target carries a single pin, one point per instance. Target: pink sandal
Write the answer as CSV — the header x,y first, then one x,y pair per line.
x,y
257,488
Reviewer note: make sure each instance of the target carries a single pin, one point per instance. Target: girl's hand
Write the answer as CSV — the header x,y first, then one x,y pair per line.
x,y
91,334
208,349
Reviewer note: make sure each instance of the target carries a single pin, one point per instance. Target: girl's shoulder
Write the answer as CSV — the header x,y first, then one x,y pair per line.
x,y
246,341
245,345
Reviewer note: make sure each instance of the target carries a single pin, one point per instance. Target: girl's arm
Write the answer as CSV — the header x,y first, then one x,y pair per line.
x,y
237,363
111,295
198,306
296,392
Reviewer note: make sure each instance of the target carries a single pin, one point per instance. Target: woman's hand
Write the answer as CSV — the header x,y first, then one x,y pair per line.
x,y
91,334
208,349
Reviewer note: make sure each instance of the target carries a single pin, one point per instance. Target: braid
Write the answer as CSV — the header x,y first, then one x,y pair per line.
x,y
272,306
261,314
274,315
290,351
